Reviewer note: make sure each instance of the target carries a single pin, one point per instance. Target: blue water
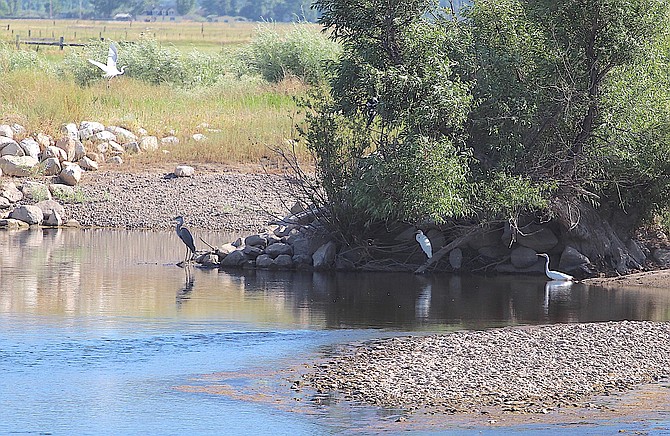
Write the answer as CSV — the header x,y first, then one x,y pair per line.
x,y
100,333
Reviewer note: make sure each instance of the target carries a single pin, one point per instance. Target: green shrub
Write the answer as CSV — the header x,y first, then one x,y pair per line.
x,y
150,62
302,52
12,59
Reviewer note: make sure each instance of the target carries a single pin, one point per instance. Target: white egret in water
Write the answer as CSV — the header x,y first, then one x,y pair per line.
x,y
110,69
424,242
554,275
186,237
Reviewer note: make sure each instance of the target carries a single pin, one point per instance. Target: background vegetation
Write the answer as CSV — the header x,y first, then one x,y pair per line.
x,y
222,94
274,10
510,107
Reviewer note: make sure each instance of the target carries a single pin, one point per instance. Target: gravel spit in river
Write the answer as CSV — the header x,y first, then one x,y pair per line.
x,y
522,369
215,200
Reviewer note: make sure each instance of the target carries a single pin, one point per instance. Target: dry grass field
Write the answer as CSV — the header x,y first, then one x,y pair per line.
x,y
242,117
183,35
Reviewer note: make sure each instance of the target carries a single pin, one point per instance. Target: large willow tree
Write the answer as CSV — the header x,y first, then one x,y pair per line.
x,y
510,106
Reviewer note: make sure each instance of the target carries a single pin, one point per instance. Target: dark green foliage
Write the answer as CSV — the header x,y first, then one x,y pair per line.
x,y
435,117
390,134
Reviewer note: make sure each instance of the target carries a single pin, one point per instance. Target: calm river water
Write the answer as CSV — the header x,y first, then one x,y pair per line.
x,y
101,333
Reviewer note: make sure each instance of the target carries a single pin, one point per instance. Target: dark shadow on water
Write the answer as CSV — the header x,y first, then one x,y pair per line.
x,y
417,302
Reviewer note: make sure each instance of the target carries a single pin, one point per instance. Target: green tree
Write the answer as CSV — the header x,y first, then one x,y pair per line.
x,y
388,135
184,6
105,8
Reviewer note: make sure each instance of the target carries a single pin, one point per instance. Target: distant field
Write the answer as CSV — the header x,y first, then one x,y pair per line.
x,y
183,35
243,117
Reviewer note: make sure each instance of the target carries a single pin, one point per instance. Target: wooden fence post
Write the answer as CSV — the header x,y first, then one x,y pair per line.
x,y
60,42
17,41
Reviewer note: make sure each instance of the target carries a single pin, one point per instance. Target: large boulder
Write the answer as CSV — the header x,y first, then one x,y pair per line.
x,y
54,220
71,174
122,135
324,257
278,249
12,149
256,240
184,171
28,214
30,147
170,140
70,130
68,145
540,239
236,259
18,166
9,191
35,191
264,261
6,131
149,143
94,126
49,207
88,164
53,151
283,261
13,224
104,136
573,262
50,166
62,192
132,147
523,257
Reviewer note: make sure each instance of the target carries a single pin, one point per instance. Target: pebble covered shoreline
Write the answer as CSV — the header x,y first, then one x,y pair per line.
x,y
516,369
217,201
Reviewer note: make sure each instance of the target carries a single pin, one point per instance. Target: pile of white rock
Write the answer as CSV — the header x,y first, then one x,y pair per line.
x,y
79,148
44,212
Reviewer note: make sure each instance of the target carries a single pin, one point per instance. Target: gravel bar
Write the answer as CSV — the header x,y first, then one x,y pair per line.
x,y
517,369
214,200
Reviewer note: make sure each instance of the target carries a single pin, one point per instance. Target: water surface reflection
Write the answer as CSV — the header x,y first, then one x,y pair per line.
x,y
98,328
103,272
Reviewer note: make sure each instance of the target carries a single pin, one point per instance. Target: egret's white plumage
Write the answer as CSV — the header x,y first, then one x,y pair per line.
x,y
424,242
110,70
554,275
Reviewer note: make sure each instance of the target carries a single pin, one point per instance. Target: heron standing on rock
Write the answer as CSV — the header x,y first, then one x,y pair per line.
x,y
186,237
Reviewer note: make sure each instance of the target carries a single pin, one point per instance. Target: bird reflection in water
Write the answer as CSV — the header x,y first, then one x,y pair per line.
x,y
422,303
557,290
185,293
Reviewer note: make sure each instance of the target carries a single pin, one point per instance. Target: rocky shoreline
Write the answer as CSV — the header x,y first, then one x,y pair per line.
x,y
515,369
211,199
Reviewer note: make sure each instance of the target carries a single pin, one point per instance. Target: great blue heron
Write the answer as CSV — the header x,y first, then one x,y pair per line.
x,y
110,69
554,275
186,237
424,242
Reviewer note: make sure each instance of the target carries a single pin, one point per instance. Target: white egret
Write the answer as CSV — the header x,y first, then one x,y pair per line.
x,y
110,69
424,242
554,275
186,237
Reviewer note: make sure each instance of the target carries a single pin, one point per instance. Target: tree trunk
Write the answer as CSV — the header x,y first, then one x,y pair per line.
x,y
598,234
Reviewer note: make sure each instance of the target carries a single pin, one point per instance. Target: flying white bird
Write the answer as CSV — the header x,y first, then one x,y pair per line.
x,y
424,242
554,275
110,69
